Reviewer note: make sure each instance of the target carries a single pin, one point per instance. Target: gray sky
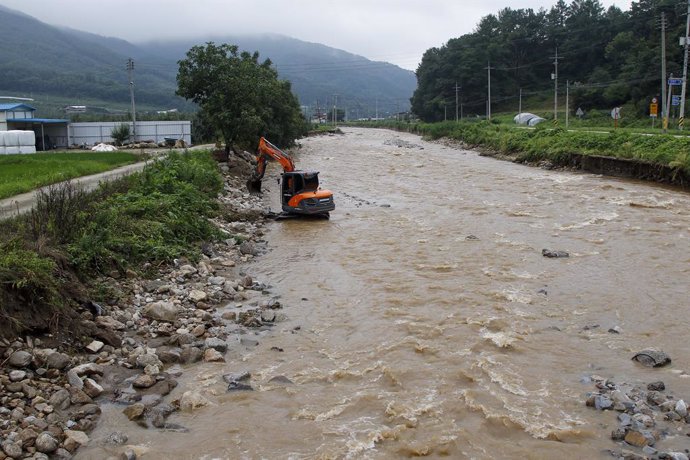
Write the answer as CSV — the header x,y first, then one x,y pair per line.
x,y
397,31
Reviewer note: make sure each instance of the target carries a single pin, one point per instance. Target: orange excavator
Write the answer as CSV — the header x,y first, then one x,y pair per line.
x,y
299,190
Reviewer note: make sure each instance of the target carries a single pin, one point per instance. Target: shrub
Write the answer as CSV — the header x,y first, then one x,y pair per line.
x,y
121,133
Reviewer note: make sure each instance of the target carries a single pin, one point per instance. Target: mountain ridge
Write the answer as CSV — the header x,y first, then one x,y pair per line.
x,y
70,64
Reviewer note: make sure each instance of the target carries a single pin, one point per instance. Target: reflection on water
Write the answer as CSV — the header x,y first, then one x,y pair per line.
x,y
432,324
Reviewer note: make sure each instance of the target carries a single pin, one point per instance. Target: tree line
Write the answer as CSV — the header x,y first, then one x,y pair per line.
x,y
610,58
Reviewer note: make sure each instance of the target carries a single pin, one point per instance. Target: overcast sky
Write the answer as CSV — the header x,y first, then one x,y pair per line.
x,y
397,31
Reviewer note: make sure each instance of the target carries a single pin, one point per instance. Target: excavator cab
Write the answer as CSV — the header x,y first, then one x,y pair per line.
x,y
300,194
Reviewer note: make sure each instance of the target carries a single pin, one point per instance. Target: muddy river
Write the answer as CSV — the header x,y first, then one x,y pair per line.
x,y
424,320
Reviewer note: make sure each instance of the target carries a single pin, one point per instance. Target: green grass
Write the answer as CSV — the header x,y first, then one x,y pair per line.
x,y
546,143
71,236
23,173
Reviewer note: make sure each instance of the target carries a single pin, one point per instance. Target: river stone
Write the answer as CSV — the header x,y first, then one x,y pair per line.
x,y
216,280
17,375
199,330
652,358
46,443
636,438
197,296
20,358
190,355
148,359
144,381
60,399
95,346
116,438
79,397
92,388
109,322
187,270
135,411
57,361
88,369
656,386
12,449
217,344
74,380
554,254
168,355
681,408
677,456
213,356
79,437
192,400
162,311
268,316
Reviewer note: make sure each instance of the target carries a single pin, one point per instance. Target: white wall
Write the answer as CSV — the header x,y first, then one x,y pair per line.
x,y
157,131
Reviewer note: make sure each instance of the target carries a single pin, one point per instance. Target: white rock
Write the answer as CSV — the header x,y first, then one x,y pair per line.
x,y
16,376
197,296
95,346
681,408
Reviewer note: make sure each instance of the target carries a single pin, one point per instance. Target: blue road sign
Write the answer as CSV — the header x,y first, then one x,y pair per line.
x,y
675,81
675,100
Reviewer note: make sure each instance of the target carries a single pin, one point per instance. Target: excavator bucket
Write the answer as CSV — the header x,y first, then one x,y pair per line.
x,y
254,185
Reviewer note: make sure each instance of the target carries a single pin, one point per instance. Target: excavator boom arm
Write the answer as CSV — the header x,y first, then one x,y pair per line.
x,y
265,151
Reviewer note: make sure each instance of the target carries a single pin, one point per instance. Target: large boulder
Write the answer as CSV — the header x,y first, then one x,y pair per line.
x,y
162,311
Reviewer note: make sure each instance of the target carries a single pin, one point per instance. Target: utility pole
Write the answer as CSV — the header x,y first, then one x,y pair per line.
x,y
457,88
520,103
130,72
555,86
681,117
335,110
668,102
567,102
488,103
445,111
664,106
377,108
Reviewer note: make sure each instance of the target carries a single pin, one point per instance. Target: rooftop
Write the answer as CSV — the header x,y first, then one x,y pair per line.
x,y
14,106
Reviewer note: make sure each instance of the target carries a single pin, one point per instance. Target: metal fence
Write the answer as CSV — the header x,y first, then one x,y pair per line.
x,y
156,131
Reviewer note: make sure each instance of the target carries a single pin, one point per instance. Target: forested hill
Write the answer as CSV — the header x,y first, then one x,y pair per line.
x,y
80,68
611,57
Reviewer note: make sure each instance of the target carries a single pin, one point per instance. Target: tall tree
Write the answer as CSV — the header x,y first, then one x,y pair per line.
x,y
240,95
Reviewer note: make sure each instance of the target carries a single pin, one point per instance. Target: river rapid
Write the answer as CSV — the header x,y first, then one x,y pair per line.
x,y
422,318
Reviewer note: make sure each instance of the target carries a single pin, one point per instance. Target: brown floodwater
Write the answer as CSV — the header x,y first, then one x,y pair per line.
x,y
422,318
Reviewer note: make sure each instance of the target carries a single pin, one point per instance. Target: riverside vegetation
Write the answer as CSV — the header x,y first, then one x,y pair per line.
x,y
151,217
100,291
558,147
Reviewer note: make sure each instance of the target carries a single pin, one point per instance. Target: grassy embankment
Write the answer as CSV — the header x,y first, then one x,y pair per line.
x,y
23,173
557,145
49,256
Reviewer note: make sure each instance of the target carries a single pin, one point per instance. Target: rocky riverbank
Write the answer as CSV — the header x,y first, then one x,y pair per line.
x,y
187,312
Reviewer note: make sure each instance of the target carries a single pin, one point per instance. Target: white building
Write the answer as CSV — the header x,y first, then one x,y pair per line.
x,y
49,132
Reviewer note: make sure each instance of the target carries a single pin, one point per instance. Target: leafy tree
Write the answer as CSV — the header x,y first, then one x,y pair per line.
x,y
240,96
610,57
